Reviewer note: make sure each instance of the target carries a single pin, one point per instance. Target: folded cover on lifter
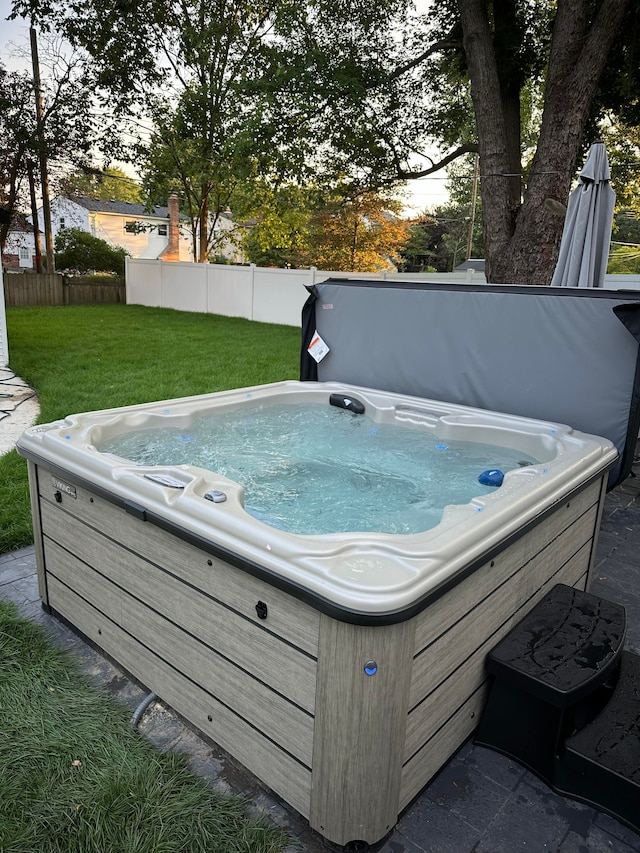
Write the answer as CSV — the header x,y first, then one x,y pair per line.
x,y
560,354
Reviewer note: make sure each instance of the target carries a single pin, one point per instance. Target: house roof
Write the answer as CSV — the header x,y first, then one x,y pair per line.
x,y
20,228
124,208
21,225
476,264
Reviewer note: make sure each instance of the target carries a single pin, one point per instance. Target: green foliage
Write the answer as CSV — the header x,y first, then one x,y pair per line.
x,y
334,229
17,133
626,225
624,260
78,250
67,100
361,93
276,222
439,237
86,357
76,778
419,252
108,184
623,150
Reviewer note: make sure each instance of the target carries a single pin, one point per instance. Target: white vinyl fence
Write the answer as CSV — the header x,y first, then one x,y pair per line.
x,y
255,293
260,293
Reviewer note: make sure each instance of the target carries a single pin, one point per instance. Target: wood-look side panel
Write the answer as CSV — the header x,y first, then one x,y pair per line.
x,y
286,724
476,622
465,595
243,641
453,685
359,734
439,749
82,579
287,777
34,497
594,547
444,742
288,617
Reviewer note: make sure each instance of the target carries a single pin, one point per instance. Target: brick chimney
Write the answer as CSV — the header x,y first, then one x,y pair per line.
x,y
172,250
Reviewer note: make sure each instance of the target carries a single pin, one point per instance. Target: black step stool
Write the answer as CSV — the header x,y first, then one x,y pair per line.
x,y
600,764
565,701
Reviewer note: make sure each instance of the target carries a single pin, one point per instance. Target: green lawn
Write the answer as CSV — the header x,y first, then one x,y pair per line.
x,y
82,358
76,778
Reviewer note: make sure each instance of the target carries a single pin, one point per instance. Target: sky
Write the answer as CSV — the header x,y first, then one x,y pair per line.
x,y
420,194
16,31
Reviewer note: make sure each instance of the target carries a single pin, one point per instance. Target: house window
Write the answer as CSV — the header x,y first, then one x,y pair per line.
x,y
162,230
131,226
25,254
62,221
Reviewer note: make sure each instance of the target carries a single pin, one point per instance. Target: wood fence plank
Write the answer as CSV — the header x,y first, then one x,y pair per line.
x,y
46,289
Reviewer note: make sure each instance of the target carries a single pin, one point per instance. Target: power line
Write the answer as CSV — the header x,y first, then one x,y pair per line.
x,y
613,167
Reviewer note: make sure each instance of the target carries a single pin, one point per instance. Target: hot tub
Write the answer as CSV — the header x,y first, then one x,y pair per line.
x,y
341,668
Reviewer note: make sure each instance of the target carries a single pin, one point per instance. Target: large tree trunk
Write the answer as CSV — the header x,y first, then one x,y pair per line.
x,y
522,243
497,213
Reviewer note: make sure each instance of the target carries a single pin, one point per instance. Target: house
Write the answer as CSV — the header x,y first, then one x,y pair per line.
x,y
20,247
162,232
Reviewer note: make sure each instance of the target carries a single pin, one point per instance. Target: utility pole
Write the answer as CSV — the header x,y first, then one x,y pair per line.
x,y
34,215
474,196
42,152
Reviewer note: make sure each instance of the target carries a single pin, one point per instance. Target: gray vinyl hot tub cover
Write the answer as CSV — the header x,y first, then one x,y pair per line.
x,y
565,355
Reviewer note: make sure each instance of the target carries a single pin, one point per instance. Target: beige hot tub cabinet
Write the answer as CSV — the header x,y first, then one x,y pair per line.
x,y
342,670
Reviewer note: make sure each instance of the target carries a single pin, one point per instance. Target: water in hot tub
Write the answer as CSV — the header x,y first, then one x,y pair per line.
x,y
313,470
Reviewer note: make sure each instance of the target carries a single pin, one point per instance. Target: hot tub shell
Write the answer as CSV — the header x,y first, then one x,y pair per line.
x,y
262,639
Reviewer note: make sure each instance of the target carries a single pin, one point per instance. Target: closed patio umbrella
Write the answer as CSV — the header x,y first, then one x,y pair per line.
x,y
584,250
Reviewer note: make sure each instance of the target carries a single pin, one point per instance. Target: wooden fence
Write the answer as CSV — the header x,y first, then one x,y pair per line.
x,y
29,289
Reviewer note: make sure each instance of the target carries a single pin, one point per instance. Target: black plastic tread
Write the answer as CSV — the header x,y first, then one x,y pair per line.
x,y
566,646
612,739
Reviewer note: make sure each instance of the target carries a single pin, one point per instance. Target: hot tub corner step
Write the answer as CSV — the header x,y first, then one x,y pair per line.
x,y
564,649
551,676
600,764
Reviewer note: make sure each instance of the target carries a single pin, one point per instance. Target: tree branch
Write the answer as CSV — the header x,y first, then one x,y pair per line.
x,y
467,148
448,43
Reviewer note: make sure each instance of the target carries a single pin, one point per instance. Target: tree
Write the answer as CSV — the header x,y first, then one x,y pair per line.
x,y
16,99
187,77
533,77
204,170
363,233
78,250
625,252
419,252
627,226
210,89
104,184
302,226
521,236
67,119
360,90
623,148
275,221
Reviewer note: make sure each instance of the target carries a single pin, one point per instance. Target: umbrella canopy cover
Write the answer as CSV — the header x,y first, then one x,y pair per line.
x,y
584,249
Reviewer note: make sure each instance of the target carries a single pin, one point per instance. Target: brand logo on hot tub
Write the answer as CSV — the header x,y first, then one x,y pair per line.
x,y
64,487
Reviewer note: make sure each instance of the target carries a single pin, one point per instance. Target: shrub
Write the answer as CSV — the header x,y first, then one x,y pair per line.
x,y
78,250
